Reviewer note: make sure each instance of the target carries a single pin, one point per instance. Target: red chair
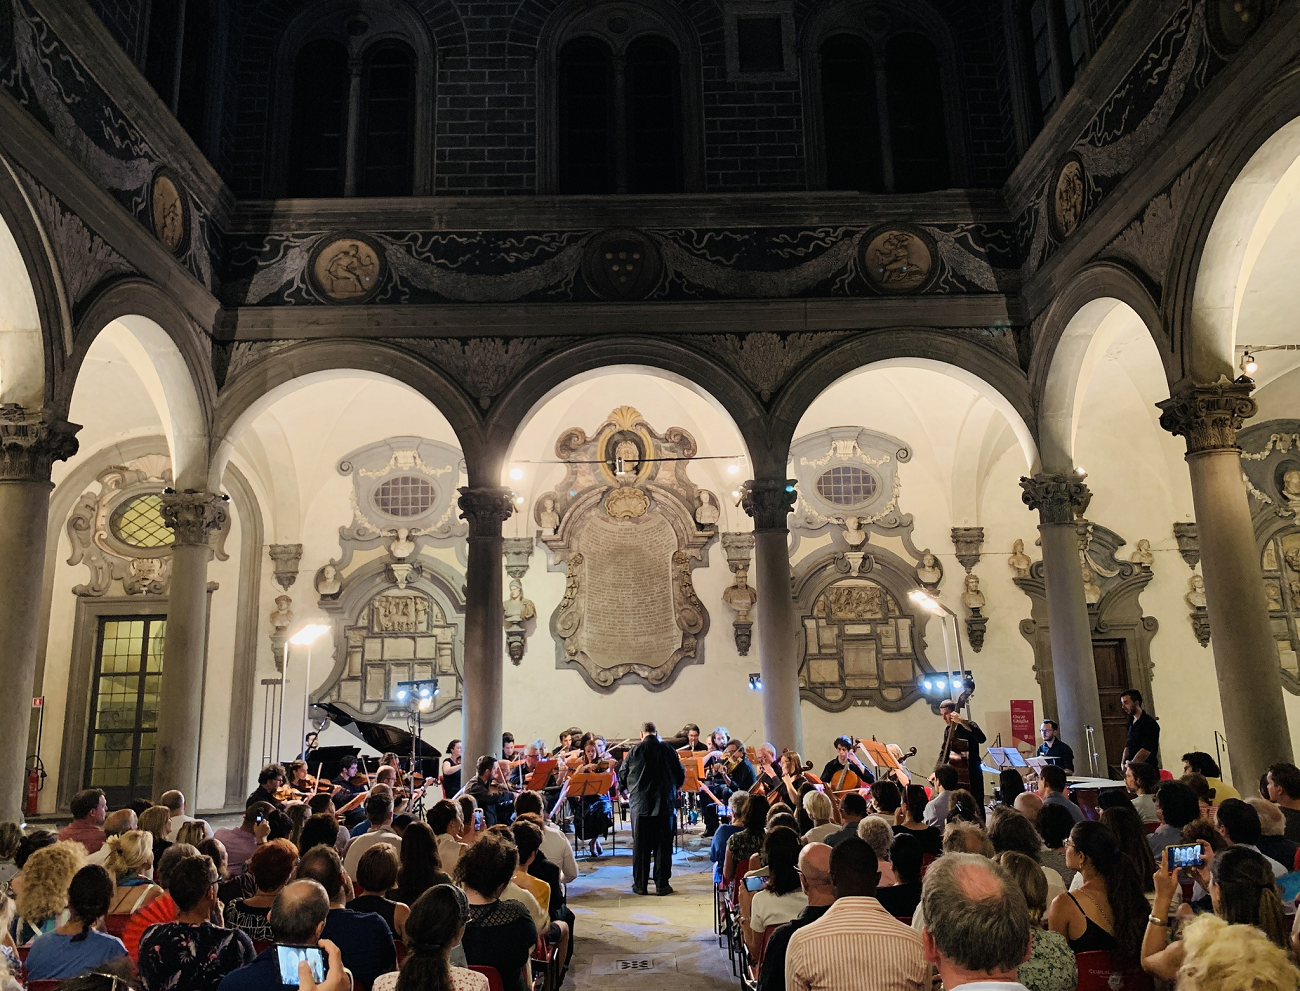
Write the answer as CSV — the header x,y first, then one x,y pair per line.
x,y
494,978
115,925
1150,827
1097,972
1166,775
42,985
23,950
764,936
260,946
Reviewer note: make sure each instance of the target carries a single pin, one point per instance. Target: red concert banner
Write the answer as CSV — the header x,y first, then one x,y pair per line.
x,y
1022,721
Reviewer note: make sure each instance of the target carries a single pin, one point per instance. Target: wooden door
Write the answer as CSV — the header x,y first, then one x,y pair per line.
x,y
1111,660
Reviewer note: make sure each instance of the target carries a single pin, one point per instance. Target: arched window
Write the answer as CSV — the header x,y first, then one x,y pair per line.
x,y
1057,42
618,100
917,129
613,145
586,98
178,62
353,106
851,117
320,85
388,111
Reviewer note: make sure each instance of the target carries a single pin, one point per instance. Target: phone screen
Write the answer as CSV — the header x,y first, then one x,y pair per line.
x,y
1185,855
478,819
755,883
291,956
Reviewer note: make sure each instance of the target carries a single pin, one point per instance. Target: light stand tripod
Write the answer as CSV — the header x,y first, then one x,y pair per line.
x,y
415,723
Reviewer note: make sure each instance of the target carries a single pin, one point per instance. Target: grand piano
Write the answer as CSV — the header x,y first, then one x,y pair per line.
x,y
383,737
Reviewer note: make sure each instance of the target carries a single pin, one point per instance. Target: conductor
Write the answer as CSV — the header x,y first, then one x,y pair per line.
x,y
653,773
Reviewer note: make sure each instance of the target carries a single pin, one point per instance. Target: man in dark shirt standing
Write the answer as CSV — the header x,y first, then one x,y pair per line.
x,y
815,876
1054,746
1143,743
653,775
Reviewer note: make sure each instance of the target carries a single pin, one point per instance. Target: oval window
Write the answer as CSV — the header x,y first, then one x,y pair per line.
x,y
139,522
405,497
846,485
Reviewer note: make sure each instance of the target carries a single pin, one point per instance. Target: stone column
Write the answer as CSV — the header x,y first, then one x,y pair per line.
x,y
30,442
769,501
1245,655
484,509
193,517
1060,499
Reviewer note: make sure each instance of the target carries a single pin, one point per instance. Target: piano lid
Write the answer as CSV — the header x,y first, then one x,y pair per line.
x,y
382,736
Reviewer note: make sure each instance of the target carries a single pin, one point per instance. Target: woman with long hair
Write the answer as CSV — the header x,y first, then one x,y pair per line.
x,y
193,832
1108,911
130,864
962,807
44,892
1242,891
749,841
434,927
1010,784
421,865
156,821
28,844
782,897
1051,965
1126,824
76,947
914,824
593,815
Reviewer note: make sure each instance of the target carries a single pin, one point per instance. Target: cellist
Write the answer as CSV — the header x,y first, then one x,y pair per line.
x,y
846,762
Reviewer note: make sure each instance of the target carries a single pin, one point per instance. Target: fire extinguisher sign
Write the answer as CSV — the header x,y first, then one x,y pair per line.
x,y
38,702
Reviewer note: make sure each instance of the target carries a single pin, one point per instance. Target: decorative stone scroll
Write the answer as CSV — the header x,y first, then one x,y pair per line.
x,y
740,595
1189,543
403,496
285,558
622,526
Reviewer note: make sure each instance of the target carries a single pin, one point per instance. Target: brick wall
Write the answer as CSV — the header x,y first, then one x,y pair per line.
x,y
1103,14
123,18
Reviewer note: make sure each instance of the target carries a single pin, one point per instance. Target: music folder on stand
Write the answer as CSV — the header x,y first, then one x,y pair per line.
x,y
587,784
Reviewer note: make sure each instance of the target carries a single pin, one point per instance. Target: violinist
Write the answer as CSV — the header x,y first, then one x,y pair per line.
x,y
508,746
845,760
721,769
593,814
269,780
740,772
534,754
491,793
347,772
301,784
568,742
451,766
767,779
689,740
792,778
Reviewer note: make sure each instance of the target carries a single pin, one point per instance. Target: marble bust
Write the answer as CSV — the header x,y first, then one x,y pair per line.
x,y
282,615
740,596
517,610
1091,590
1291,488
929,570
547,518
854,535
402,546
1143,555
972,598
1019,560
1195,596
707,513
327,582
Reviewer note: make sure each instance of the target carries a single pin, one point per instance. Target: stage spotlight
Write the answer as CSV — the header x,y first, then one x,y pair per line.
x,y
516,474
928,685
756,682
426,692
733,469
403,695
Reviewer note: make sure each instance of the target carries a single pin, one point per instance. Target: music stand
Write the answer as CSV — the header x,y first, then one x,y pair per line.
x,y
1004,757
541,774
587,784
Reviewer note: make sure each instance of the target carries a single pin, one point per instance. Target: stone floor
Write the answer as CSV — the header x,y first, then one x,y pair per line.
x,y
626,941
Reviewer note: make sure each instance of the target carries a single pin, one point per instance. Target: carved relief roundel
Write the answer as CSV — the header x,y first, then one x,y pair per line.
x,y
167,213
1230,23
348,269
1069,198
897,260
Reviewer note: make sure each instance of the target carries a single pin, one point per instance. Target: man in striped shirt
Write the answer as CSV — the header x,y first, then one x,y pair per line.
x,y
976,924
856,945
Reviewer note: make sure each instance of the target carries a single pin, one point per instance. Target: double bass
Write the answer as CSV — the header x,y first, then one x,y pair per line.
x,y
956,751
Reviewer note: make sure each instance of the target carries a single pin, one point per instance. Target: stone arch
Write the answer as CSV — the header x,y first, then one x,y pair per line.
x,y
284,371
1074,326
1252,168
703,375
166,351
563,23
35,324
995,379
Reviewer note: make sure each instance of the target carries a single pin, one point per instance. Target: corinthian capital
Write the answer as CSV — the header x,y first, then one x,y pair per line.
x,y
1209,416
193,516
485,509
31,441
1059,497
768,501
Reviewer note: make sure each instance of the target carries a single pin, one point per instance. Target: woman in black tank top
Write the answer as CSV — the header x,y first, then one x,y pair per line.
x,y
1110,913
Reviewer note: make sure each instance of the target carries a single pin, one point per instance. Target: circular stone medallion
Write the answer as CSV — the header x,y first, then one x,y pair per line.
x,y
347,269
622,265
170,219
1230,23
1069,198
897,260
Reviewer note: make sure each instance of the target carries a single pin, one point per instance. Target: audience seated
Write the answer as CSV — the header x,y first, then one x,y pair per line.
x,y
815,878
379,819
967,837
1009,830
1010,784
979,928
421,866
1143,780
901,898
1223,957
856,943
1051,789
1054,825
376,875
498,933
725,831
1176,805
271,867
887,797
116,823
914,806
879,836
194,832
1131,838
89,810
963,808
1199,762
746,842
11,968
818,806
1242,892
130,864
322,803
853,809
33,840
1239,824
1203,792
782,897
43,894
435,925
1272,839
944,782
444,820
297,918
231,887
321,829
1108,911
527,832
191,953
174,801
1050,966
11,836
161,909
75,947
1029,804
241,841
363,938
155,821
1284,791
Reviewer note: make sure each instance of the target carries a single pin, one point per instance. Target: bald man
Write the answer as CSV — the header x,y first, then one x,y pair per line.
x,y
1028,805
297,918
815,876
115,824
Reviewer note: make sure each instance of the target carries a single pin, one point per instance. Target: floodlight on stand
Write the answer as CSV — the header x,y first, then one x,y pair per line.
x,y
309,634
516,474
1249,366
756,682
420,693
925,600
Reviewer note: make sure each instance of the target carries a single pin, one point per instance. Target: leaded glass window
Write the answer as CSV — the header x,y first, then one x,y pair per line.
x,y
124,706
